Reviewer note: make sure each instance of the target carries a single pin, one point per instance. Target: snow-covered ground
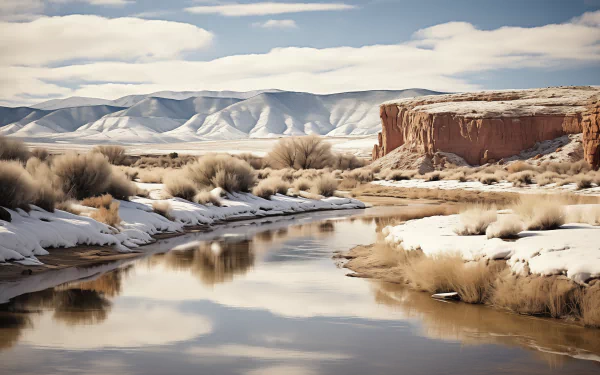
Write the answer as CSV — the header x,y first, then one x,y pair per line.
x,y
500,187
573,250
29,234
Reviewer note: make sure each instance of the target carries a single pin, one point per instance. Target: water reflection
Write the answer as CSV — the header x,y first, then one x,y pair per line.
x,y
269,300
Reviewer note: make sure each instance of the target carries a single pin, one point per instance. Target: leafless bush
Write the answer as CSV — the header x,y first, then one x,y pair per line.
x,y
347,162
583,182
488,179
82,176
17,188
520,166
120,187
540,213
98,202
256,162
47,187
13,149
325,185
270,186
301,153
222,170
475,220
116,155
178,185
546,178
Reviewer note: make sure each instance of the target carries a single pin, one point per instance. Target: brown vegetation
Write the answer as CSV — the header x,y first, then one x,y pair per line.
x,y
221,170
17,188
325,185
116,155
270,186
301,153
13,149
109,216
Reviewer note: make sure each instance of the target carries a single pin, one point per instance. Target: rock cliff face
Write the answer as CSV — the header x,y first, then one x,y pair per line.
x,y
487,126
591,133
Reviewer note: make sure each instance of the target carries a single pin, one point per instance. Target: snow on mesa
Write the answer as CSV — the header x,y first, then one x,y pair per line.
x,y
30,233
573,250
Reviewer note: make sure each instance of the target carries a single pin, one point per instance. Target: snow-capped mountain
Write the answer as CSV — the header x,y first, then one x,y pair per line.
x,y
201,115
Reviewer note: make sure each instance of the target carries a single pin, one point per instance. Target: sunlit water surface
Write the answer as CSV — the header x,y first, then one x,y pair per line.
x,y
267,298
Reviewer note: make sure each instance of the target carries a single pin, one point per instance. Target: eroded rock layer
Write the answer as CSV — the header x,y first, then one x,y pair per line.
x,y
591,133
487,126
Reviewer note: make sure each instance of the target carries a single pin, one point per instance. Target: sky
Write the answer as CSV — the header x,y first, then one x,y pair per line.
x,y
111,48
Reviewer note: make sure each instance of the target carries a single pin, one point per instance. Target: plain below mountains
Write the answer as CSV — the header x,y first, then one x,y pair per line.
x,y
168,116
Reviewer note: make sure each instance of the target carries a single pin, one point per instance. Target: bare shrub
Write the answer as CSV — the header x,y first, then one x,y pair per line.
x,y
520,166
488,179
581,166
475,220
506,227
40,153
178,185
270,186
583,182
120,187
98,202
82,176
47,188
301,153
546,178
325,185
347,162
589,305
116,155
521,178
13,149
535,295
17,188
222,170
256,162
303,184
540,213
162,208
205,197
109,216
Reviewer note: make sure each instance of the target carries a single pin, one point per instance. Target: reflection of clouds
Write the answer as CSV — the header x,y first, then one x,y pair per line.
x,y
124,327
263,353
281,370
476,324
291,289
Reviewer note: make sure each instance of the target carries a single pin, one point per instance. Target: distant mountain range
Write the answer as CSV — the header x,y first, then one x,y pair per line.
x,y
168,116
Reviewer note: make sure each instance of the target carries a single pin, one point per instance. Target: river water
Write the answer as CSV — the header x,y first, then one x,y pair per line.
x,y
266,297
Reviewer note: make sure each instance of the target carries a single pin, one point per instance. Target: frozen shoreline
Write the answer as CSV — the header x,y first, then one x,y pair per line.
x,y
28,235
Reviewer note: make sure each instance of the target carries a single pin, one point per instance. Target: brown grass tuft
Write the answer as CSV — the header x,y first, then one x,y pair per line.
x,y
47,187
13,149
162,208
303,184
301,153
222,170
325,185
475,220
98,202
270,186
82,176
178,185
506,227
540,212
17,188
109,216
40,153
205,197
116,155
521,178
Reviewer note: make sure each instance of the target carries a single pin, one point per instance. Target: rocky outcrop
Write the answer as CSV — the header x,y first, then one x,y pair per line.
x,y
483,127
591,133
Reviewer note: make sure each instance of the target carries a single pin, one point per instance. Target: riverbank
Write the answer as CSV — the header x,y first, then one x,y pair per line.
x,y
39,240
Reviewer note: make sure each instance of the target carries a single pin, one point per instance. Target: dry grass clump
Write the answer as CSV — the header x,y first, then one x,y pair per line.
x,y
109,216
116,155
82,176
162,208
325,185
488,179
520,166
432,176
540,213
399,175
17,188
475,220
550,296
98,202
506,227
205,197
178,185
583,182
120,187
151,176
256,162
584,214
546,178
521,178
589,305
303,184
40,153
221,170
270,186
172,161
13,149
47,187
301,153
347,162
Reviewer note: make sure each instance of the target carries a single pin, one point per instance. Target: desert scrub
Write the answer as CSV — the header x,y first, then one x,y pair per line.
x,y
162,208
347,162
221,170
120,187
40,153
488,179
108,215
47,187
303,184
82,176
521,178
13,149
325,185
540,212
306,152
206,197
17,188
506,227
116,155
475,220
271,186
179,186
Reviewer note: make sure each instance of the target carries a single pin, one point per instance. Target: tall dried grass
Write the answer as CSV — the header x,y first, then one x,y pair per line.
x,y
325,185
506,227
47,186
109,216
13,149
205,197
116,155
82,176
270,186
17,188
178,185
301,153
540,212
475,220
221,170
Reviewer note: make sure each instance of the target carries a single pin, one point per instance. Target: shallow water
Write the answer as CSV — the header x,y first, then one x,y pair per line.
x,y
266,298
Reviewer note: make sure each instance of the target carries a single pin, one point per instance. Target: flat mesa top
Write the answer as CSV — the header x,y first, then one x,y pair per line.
x,y
505,103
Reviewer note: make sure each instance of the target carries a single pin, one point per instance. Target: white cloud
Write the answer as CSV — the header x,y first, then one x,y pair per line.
x,y
118,3
56,39
266,8
437,58
276,24
18,10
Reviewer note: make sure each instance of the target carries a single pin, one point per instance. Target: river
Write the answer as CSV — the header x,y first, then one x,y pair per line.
x,y
266,297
